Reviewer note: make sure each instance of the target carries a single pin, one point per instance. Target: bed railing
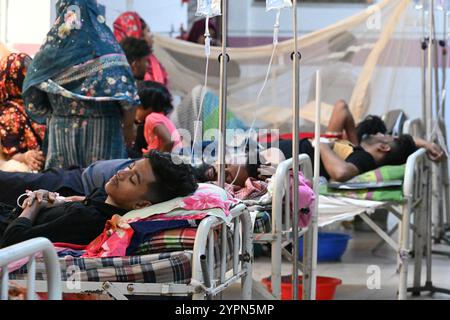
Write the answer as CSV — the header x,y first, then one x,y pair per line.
x,y
28,249
203,266
415,194
414,128
281,227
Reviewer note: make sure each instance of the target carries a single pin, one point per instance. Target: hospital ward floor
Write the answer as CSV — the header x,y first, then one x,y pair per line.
x,y
355,268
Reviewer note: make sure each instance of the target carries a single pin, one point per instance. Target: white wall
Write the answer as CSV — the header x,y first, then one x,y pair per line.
x,y
162,16
25,27
25,30
250,19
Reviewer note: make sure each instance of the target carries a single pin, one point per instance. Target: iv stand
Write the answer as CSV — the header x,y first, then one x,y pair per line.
x,y
429,287
295,151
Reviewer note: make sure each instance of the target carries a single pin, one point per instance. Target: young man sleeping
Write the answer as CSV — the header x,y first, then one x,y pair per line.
x,y
340,164
148,181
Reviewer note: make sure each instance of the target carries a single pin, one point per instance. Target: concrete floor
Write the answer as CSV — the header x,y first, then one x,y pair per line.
x,y
354,273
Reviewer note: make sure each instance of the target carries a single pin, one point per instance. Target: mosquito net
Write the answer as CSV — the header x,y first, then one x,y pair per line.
x,y
368,60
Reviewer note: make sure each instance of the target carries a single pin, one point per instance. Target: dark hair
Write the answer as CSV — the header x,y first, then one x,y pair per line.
x,y
370,125
200,171
156,96
143,23
401,148
253,159
172,180
198,29
134,48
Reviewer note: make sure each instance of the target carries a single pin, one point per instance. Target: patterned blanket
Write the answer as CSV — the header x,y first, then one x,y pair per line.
x,y
382,174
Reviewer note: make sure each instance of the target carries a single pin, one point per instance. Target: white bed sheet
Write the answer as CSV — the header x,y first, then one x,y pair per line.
x,y
333,209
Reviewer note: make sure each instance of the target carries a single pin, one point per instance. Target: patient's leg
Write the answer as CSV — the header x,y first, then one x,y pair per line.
x,y
65,182
342,121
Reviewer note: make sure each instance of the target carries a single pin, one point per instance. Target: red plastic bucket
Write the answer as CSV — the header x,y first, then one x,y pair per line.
x,y
325,287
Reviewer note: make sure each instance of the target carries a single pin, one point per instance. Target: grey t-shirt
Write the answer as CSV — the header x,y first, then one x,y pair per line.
x,y
98,173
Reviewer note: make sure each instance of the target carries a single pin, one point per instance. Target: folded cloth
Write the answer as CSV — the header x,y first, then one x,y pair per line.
x,y
144,230
208,200
113,241
253,189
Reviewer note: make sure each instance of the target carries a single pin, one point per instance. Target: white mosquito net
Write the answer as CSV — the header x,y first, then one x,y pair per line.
x,y
371,60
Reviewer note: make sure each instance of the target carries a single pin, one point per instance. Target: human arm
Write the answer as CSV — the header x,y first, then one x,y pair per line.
x,y
129,131
34,159
164,136
71,223
19,229
338,169
434,151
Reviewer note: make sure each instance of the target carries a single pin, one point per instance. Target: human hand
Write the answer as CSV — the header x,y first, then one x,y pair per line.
x,y
34,159
75,199
435,152
41,199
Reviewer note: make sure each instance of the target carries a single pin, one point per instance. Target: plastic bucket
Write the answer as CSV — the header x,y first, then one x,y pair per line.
x,y
325,287
330,246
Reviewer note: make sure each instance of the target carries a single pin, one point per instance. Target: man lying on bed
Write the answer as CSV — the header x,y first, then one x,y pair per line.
x,y
339,160
83,182
148,181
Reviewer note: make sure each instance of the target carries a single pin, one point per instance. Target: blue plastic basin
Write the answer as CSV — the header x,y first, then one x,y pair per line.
x,y
330,247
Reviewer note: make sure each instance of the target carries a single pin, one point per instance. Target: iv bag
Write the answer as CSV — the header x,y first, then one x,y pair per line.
x,y
277,4
208,8
443,5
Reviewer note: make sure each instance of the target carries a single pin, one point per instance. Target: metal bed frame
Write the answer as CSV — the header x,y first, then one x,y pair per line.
x,y
28,249
281,223
203,283
415,195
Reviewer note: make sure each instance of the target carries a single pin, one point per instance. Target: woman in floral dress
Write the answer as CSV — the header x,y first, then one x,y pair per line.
x,y
21,138
81,85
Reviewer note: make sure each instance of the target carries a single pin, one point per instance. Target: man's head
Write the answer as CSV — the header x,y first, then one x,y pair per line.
x,y
241,166
151,180
147,34
389,150
197,32
136,51
370,125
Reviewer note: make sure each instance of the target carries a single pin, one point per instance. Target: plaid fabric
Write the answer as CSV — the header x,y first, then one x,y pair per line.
x,y
168,241
182,239
253,189
262,222
217,251
172,267
166,267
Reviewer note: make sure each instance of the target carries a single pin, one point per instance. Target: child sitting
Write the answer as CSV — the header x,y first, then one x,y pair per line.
x,y
159,132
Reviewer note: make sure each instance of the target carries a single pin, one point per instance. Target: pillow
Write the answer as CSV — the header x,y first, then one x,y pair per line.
x,y
208,199
382,174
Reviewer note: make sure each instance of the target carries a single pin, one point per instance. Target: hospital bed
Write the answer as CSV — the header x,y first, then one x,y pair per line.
x,y
334,209
221,256
28,249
